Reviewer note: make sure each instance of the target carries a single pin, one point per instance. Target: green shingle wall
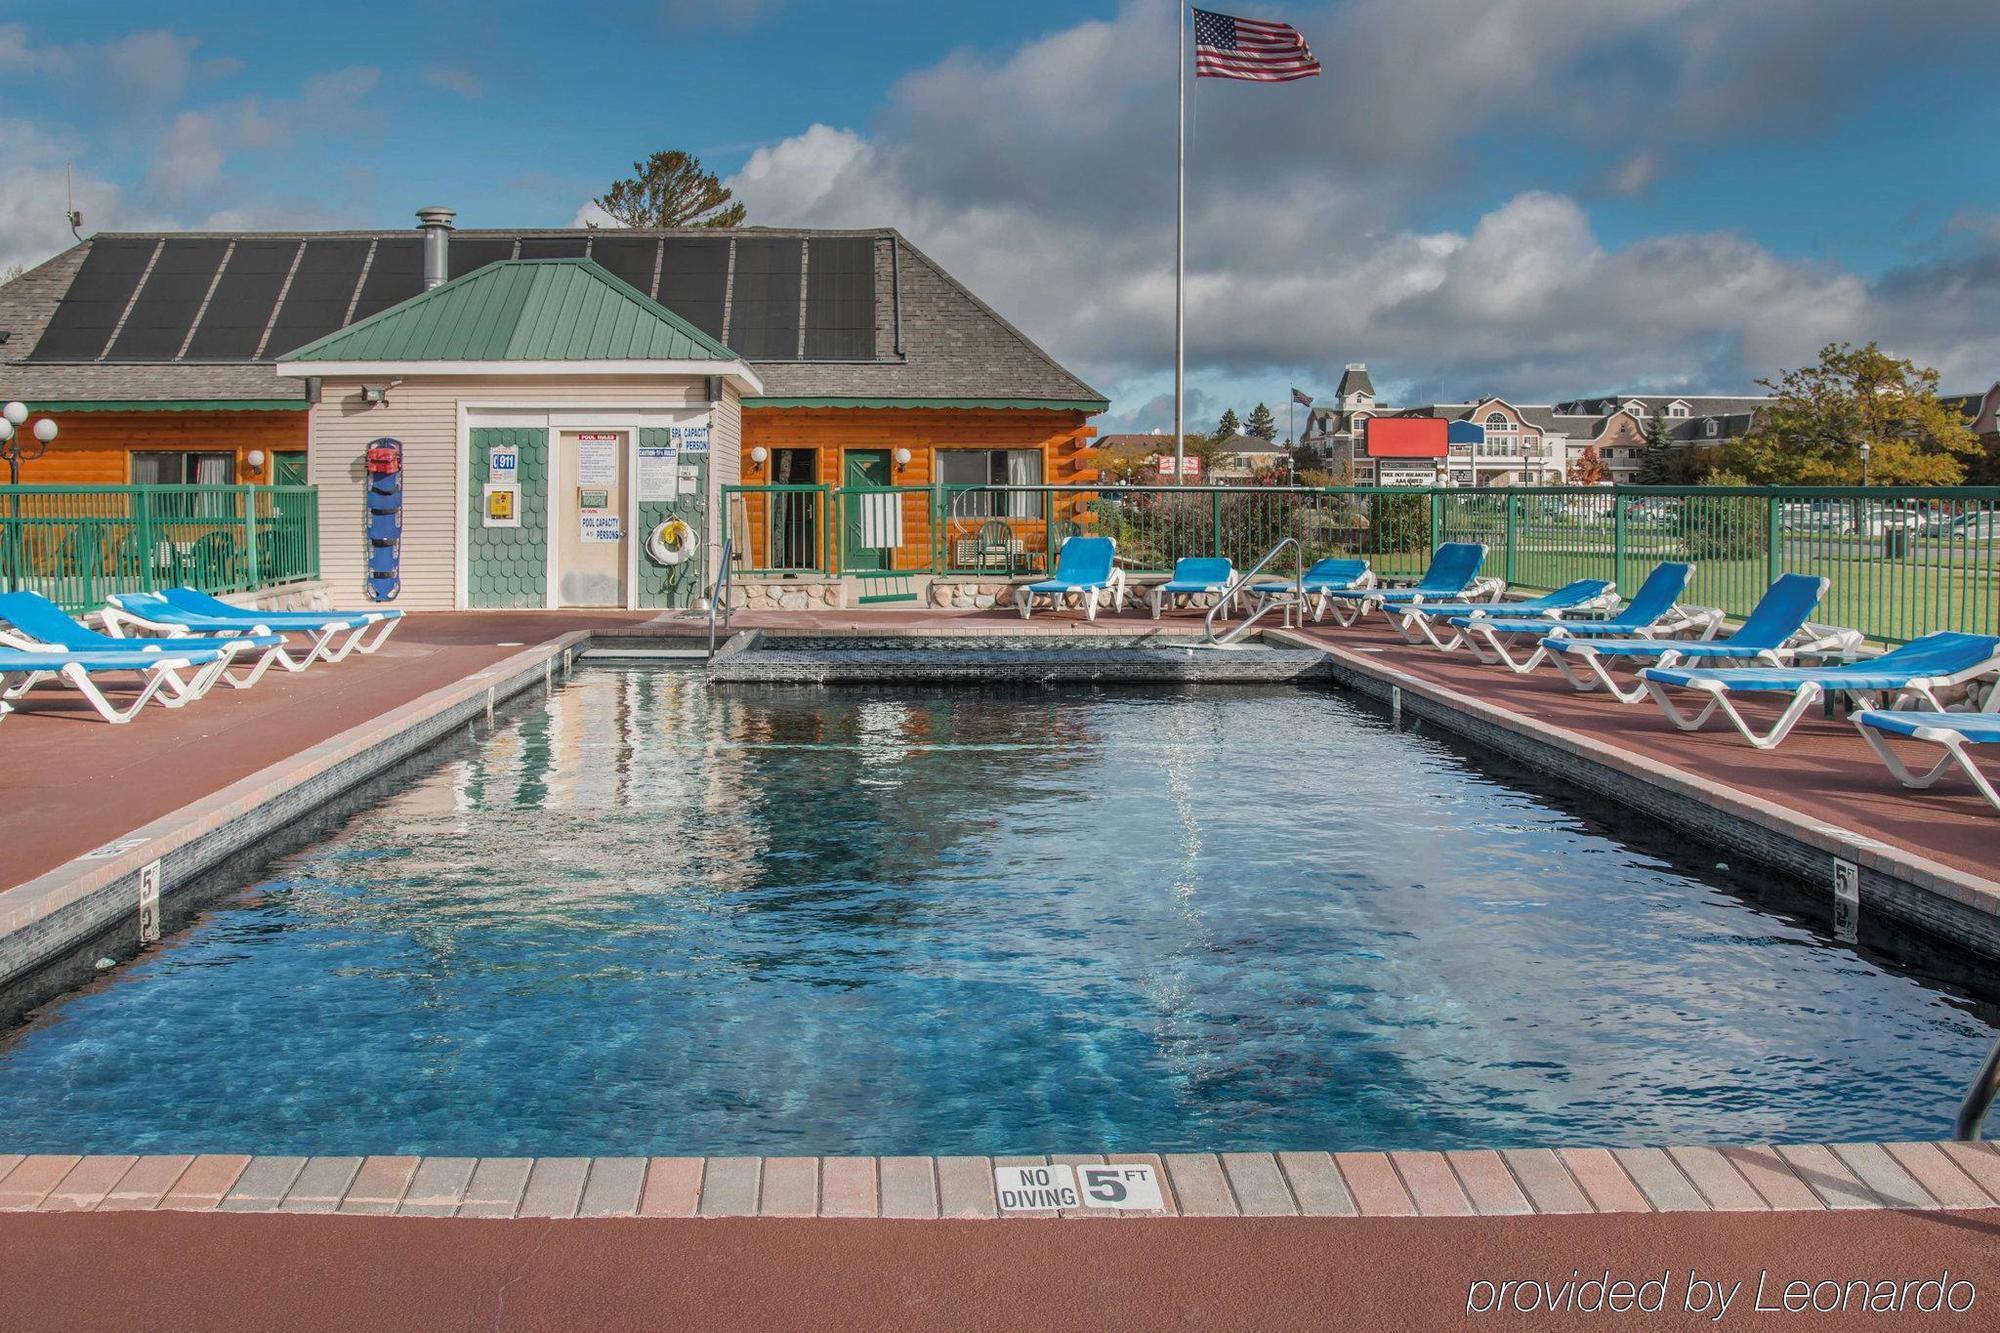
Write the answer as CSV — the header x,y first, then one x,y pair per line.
x,y
672,585
509,567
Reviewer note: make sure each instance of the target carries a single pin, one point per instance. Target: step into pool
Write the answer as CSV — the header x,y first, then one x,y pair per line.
x,y
648,915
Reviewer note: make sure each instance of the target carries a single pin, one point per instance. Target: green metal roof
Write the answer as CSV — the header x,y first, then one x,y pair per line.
x,y
522,310
1030,404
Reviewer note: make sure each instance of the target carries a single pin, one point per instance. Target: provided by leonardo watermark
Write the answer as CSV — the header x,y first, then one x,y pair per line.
x,y
1717,1296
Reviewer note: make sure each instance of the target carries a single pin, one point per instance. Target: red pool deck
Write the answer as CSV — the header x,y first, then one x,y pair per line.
x,y
1348,1240
70,782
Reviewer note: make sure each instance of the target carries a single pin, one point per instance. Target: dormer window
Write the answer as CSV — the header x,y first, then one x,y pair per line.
x,y
1498,421
1677,410
1711,428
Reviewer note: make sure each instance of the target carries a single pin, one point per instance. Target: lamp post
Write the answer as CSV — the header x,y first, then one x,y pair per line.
x,y
19,450
1866,447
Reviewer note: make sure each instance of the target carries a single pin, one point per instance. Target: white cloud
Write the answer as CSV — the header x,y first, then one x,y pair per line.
x,y
32,226
151,67
590,215
1044,178
191,158
454,80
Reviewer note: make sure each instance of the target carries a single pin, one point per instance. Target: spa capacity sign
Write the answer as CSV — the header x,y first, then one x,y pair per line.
x,y
1126,1187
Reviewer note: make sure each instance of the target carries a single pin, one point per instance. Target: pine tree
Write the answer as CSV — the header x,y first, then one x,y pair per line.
x,y
1656,460
1229,427
1262,424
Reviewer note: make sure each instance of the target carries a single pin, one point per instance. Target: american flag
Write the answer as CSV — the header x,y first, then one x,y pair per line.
x,y
1301,399
1233,48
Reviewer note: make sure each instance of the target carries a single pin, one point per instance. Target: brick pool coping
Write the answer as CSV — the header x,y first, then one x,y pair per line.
x,y
1470,1183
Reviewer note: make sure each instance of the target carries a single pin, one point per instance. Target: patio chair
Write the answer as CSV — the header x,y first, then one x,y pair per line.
x,y
1326,577
1918,672
1086,567
1775,632
1953,733
1194,576
158,673
39,624
1654,612
181,611
1417,622
1452,576
996,546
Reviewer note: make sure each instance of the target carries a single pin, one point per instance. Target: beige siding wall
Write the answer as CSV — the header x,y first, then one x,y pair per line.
x,y
423,414
725,468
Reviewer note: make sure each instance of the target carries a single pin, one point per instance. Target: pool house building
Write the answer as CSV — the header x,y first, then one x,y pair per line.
x,y
576,418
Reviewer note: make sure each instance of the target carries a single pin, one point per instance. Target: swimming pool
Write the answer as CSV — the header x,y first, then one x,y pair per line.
x,y
650,915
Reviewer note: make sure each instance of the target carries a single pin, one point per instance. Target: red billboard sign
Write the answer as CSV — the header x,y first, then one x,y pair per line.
x,y
1406,437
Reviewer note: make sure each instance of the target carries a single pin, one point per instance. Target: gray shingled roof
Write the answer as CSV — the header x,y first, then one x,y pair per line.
x,y
1355,380
947,343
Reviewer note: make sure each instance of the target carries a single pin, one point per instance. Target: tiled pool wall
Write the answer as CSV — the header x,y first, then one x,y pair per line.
x,y
54,928
1474,1183
756,657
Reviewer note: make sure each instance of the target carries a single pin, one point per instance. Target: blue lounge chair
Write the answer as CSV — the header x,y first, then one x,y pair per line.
x,y
1326,577
1915,673
1452,576
1952,732
39,623
180,611
1086,567
22,669
1194,576
1654,612
1775,631
1418,621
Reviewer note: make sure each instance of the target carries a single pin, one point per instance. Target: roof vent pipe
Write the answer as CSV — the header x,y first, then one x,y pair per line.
x,y
435,222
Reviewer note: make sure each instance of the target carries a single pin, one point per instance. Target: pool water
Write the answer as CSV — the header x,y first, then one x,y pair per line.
x,y
655,916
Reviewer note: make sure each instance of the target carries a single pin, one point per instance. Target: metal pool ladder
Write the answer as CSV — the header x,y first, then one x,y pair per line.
x,y
718,596
1979,1097
1288,600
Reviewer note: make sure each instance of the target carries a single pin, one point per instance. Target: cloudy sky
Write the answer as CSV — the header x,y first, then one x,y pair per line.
x,y
1541,198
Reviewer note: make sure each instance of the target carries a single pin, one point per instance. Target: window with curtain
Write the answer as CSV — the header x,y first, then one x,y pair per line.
x,y
993,467
173,467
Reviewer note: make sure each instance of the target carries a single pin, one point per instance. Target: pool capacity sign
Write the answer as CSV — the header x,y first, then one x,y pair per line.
x,y
1128,1187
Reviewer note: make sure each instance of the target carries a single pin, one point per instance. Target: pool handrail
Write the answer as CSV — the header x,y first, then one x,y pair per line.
x,y
1978,1098
1295,598
718,596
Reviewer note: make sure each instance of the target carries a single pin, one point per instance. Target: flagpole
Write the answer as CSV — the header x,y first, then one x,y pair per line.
x,y
1180,255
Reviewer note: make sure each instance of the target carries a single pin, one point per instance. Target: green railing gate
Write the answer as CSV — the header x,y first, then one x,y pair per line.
x,y
78,544
1902,560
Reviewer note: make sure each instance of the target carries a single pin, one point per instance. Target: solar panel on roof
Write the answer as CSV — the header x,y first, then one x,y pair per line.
x,y
694,277
97,297
629,258
470,253
840,297
316,303
764,298
240,309
395,274
553,247
159,320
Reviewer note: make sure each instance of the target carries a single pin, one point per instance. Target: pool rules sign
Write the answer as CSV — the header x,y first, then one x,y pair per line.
x,y
1126,1186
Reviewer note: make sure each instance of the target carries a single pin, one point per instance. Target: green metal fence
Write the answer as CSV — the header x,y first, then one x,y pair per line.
x,y
76,544
1903,561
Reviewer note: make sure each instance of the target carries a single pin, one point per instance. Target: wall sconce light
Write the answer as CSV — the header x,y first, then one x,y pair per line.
x,y
902,457
372,394
757,457
255,460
